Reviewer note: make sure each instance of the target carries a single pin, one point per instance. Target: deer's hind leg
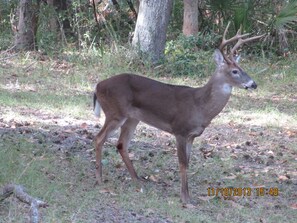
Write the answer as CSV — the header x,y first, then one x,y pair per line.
x,y
127,131
108,128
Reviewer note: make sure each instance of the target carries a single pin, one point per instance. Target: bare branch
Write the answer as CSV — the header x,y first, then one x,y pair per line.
x,y
20,193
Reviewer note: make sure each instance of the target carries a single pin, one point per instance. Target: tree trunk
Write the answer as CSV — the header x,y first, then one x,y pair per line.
x,y
137,3
190,23
53,23
61,6
151,26
27,26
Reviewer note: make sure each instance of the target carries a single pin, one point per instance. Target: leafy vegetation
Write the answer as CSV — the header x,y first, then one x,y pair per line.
x,y
76,27
182,57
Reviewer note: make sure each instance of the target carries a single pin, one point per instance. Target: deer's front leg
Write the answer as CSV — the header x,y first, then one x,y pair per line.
x,y
184,147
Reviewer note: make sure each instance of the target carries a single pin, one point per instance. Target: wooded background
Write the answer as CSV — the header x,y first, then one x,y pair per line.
x,y
54,25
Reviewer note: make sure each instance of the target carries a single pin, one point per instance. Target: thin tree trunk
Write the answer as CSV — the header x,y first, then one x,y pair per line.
x,y
27,26
53,23
190,23
151,27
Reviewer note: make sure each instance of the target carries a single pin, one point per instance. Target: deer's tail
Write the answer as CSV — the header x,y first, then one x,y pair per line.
x,y
97,107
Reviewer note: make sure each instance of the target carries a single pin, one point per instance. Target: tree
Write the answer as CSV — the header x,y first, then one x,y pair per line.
x,y
54,20
53,23
27,25
151,27
190,22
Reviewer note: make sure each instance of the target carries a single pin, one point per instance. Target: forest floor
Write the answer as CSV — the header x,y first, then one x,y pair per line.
x,y
47,128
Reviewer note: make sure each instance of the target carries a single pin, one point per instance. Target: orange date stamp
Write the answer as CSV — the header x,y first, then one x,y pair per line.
x,y
242,192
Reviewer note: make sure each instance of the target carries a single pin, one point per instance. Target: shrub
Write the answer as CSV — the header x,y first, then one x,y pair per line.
x,y
191,55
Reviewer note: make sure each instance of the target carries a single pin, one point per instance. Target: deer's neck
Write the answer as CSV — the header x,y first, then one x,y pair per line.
x,y
216,95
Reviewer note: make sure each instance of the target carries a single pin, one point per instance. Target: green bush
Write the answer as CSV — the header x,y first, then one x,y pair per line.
x,y
6,34
191,55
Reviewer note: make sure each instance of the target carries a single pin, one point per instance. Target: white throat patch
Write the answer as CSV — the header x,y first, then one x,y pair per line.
x,y
226,89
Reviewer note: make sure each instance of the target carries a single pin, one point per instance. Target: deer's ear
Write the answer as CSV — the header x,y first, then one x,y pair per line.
x,y
218,57
237,59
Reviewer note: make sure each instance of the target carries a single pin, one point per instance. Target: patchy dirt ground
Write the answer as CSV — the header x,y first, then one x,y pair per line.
x,y
252,146
69,138
258,157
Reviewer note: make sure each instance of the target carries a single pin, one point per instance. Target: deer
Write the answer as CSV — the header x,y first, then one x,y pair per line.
x,y
183,111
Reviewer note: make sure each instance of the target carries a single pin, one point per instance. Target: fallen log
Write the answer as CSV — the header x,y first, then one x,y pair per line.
x,y
20,193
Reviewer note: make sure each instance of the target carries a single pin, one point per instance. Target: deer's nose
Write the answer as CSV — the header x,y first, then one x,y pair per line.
x,y
250,85
254,85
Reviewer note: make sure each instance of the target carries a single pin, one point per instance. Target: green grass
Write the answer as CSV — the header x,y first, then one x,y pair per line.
x,y
46,127
45,175
54,103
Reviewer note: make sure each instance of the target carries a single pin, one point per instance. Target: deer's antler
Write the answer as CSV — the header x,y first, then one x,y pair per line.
x,y
239,38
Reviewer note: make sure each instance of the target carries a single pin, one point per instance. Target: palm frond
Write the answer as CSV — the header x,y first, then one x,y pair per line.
x,y
287,16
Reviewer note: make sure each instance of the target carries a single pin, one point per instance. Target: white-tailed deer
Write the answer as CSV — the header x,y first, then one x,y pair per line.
x,y
182,111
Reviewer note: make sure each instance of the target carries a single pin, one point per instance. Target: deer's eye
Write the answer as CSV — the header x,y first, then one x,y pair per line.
x,y
234,71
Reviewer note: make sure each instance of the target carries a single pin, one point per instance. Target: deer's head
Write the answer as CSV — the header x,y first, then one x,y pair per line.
x,y
227,65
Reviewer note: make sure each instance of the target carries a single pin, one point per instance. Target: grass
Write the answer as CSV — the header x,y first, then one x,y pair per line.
x,y
47,126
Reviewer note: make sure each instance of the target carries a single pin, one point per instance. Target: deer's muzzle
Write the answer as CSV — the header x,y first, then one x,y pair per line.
x,y
250,85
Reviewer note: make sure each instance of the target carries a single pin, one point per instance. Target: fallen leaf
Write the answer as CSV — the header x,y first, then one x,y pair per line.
x,y
258,185
30,88
262,220
234,204
107,191
104,191
232,177
234,156
90,150
154,178
283,178
253,133
232,123
140,190
68,131
291,133
284,161
266,169
189,206
206,198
